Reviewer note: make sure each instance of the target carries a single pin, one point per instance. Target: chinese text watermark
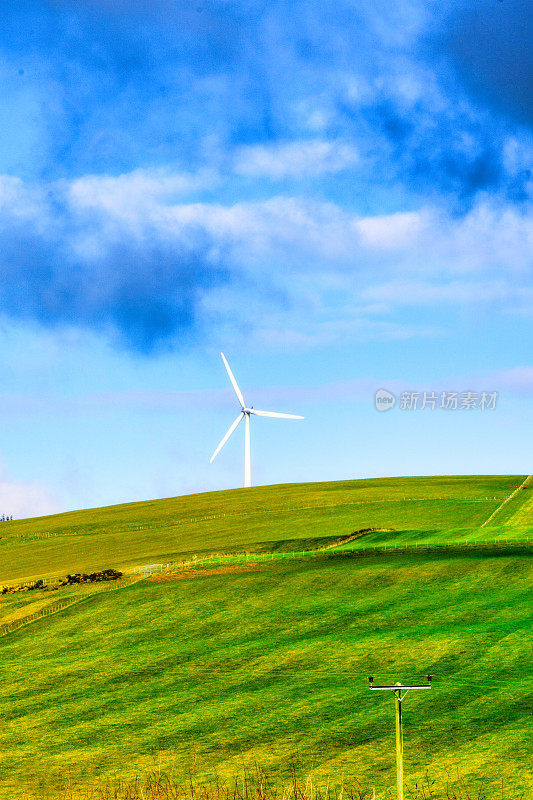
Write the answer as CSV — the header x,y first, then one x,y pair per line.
x,y
445,401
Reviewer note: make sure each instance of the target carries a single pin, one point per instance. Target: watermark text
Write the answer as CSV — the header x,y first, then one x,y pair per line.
x,y
432,401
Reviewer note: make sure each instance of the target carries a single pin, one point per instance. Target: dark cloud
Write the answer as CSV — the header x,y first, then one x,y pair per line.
x,y
108,87
429,147
115,86
491,42
144,296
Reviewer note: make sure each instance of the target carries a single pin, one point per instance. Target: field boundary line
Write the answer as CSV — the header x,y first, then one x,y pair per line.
x,y
522,515
59,605
507,499
216,559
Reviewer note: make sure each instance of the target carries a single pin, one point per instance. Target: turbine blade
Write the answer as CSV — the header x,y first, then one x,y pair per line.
x,y
273,414
226,437
233,381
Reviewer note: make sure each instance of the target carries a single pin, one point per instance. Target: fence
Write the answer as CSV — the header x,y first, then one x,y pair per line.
x,y
148,569
65,602
496,546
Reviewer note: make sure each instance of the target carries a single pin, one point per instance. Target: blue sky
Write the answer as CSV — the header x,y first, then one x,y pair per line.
x,y
338,195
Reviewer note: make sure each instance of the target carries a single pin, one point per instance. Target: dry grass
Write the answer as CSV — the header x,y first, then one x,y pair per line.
x,y
170,577
256,785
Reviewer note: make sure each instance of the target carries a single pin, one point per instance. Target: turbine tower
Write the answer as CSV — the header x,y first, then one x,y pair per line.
x,y
245,412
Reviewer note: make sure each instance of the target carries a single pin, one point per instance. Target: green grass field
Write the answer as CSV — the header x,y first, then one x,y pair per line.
x,y
233,662
264,518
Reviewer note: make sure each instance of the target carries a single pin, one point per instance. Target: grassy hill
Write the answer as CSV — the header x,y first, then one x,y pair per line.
x,y
264,518
231,662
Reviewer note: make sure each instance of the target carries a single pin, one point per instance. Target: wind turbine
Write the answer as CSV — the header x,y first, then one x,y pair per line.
x,y
245,412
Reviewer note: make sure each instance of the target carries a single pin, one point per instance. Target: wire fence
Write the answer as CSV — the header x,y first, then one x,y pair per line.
x,y
65,602
496,546
340,550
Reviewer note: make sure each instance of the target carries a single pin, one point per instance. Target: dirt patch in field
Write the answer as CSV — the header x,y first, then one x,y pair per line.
x,y
189,575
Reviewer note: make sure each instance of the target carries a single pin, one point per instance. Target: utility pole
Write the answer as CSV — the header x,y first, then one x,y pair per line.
x,y
399,693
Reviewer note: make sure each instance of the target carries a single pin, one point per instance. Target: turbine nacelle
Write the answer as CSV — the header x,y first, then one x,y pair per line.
x,y
245,413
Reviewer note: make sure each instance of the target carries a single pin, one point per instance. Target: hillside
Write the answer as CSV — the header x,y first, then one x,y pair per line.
x,y
231,662
290,516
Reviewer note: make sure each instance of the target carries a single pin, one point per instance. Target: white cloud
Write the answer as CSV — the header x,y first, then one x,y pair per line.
x,y
518,380
467,293
26,499
393,231
300,159
301,270
289,230
138,188
19,200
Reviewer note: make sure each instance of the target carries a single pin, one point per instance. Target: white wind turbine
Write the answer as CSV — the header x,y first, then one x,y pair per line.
x,y
245,412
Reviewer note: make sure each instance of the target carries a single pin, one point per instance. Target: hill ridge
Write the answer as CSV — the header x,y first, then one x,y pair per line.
x,y
261,518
